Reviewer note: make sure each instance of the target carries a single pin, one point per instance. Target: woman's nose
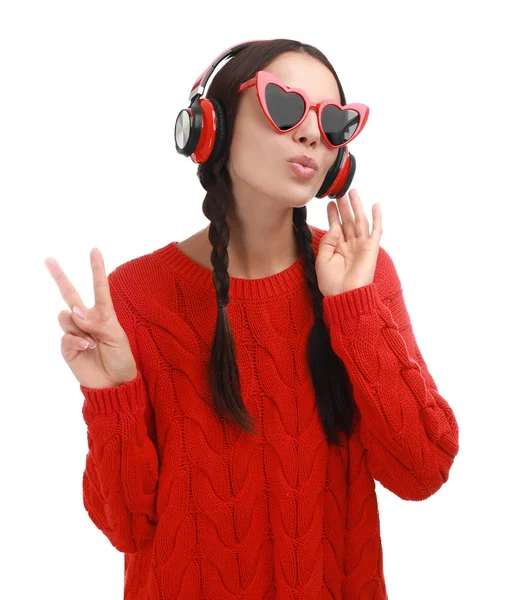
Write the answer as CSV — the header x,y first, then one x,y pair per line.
x,y
309,127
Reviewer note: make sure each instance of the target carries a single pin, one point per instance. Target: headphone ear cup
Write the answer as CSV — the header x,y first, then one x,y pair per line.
x,y
339,176
188,127
220,132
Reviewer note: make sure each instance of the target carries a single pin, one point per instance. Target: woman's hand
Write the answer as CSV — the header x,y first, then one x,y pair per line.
x,y
108,360
347,253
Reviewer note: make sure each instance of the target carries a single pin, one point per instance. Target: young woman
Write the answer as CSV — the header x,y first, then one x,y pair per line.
x,y
245,387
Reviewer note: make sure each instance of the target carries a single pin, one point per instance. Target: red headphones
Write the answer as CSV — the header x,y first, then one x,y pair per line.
x,y
200,132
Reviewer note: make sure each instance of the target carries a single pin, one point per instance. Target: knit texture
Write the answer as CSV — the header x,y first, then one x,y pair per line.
x,y
202,509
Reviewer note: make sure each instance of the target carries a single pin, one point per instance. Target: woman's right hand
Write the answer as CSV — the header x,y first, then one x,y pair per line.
x,y
107,361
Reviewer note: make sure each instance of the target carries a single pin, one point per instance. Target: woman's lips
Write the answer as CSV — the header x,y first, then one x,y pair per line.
x,y
303,172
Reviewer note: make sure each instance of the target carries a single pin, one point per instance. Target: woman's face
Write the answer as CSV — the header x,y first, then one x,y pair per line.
x,y
258,163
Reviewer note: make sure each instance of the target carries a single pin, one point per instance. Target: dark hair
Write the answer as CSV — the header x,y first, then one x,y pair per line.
x,y
330,379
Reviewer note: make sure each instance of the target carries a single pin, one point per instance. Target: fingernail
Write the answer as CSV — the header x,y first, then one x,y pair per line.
x,y
77,311
92,343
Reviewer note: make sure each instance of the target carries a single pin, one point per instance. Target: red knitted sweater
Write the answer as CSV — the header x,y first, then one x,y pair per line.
x,y
204,510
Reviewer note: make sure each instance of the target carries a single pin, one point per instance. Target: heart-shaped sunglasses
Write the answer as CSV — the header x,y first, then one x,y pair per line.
x,y
286,108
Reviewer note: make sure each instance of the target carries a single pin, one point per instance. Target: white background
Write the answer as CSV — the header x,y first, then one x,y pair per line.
x,y
89,96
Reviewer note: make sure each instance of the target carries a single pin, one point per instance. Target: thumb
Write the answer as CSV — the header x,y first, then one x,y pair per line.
x,y
80,317
329,241
106,329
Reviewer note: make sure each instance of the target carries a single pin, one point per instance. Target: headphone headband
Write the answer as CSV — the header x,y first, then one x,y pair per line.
x,y
199,86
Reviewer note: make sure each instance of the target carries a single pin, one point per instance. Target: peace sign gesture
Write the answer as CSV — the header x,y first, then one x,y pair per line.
x,y
108,360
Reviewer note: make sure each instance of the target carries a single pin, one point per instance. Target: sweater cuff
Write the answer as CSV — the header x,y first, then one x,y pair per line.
x,y
128,396
351,304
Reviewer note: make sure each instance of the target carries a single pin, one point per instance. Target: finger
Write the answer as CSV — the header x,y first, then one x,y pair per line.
x,y
67,290
361,221
68,324
100,279
348,220
65,318
330,240
377,223
336,235
333,213
70,345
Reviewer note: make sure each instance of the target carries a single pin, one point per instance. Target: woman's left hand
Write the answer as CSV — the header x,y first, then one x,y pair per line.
x,y
347,253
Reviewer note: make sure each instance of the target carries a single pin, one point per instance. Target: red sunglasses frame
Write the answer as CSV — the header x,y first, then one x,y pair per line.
x,y
263,78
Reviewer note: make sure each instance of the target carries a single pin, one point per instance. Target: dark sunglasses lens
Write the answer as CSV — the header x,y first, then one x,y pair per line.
x,y
339,125
286,109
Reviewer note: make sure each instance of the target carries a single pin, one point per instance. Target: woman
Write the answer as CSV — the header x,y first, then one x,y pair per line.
x,y
245,387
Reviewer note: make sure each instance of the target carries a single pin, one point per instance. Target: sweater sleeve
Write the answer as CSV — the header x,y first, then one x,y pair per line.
x,y
121,470
407,428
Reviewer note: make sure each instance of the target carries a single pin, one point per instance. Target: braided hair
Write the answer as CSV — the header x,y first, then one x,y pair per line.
x,y
332,386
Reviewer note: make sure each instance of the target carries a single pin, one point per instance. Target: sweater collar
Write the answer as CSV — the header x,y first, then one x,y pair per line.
x,y
263,288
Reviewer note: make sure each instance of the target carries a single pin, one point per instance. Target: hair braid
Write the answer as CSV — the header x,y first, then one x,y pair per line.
x,y
223,369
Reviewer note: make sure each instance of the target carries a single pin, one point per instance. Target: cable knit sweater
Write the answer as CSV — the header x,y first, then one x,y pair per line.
x,y
203,510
